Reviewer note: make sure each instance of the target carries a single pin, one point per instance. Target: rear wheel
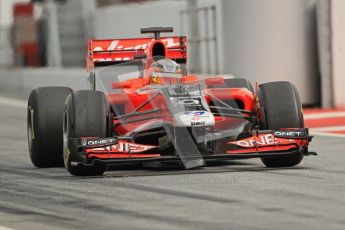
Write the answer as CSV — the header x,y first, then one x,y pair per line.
x,y
282,109
44,125
86,115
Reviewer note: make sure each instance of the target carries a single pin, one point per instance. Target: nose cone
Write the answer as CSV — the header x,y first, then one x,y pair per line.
x,y
194,119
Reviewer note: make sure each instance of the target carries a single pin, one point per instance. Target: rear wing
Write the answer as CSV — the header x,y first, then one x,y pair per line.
x,y
112,51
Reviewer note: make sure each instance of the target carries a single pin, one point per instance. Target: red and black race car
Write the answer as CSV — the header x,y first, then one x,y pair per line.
x,y
144,107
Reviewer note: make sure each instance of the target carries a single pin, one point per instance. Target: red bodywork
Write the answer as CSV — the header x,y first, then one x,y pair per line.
x,y
122,50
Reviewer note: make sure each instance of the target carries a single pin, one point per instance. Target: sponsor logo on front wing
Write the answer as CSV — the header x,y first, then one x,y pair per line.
x,y
289,133
98,142
131,147
125,147
267,139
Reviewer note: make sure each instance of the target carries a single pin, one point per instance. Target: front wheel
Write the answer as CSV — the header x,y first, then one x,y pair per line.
x,y
281,109
44,125
85,115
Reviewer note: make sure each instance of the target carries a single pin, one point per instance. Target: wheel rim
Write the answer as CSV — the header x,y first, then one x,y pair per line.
x,y
65,137
30,128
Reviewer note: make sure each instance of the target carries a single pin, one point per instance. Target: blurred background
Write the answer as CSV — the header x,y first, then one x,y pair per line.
x,y
43,42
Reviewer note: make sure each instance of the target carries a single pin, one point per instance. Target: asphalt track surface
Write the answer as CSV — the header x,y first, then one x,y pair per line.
x,y
237,195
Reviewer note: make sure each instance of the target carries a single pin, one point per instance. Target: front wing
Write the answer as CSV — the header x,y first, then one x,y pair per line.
x,y
123,150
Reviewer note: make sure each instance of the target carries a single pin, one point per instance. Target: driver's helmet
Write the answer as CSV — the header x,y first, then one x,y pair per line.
x,y
165,71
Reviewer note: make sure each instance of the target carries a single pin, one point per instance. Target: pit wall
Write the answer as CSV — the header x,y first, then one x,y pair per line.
x,y
262,41
19,82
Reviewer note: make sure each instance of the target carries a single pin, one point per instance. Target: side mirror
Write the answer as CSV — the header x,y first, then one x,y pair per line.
x,y
213,81
121,85
116,85
189,79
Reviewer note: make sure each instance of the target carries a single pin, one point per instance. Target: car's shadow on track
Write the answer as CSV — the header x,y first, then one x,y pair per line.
x,y
131,170
211,167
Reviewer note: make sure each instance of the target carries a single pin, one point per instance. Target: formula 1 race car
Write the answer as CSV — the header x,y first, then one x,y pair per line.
x,y
144,107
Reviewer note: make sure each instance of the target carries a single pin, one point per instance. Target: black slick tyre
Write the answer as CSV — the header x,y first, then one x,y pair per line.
x,y
86,115
282,109
44,125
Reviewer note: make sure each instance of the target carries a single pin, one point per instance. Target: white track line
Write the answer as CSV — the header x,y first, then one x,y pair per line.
x,y
321,115
328,129
13,102
5,228
326,134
